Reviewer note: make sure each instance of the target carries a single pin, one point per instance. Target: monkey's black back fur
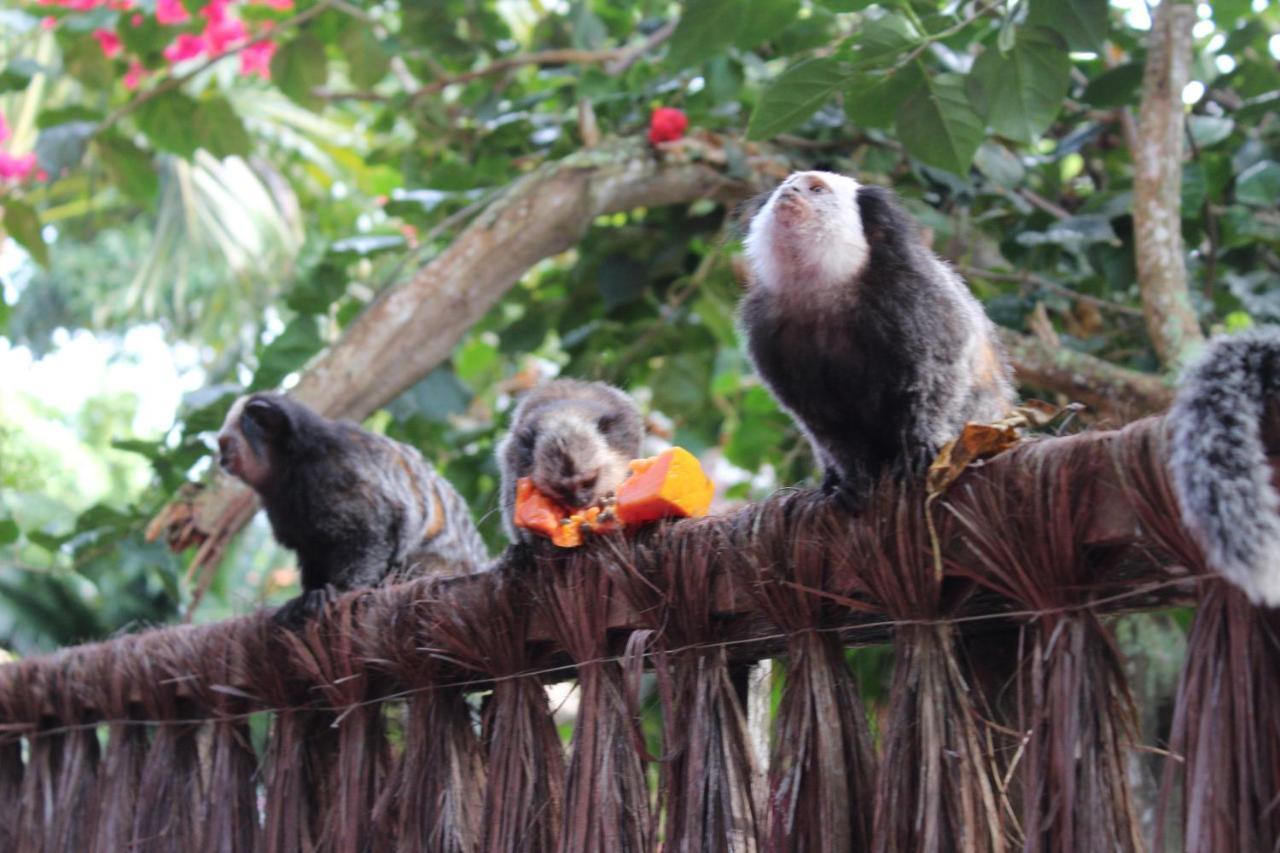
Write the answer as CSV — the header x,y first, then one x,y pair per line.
x,y
871,371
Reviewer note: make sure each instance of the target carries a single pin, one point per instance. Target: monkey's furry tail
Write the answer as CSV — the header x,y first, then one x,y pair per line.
x,y
1219,463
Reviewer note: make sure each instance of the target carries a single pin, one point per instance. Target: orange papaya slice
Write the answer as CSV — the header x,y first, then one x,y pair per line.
x,y
671,484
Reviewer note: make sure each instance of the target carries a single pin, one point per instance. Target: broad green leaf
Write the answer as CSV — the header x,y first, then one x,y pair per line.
x,y
764,19
84,60
795,95
18,73
873,101
298,67
23,224
219,130
1259,185
314,293
1116,87
887,37
847,5
130,167
8,531
1083,23
706,28
65,115
1209,130
367,59
1000,165
287,352
167,121
938,127
1020,93
1195,188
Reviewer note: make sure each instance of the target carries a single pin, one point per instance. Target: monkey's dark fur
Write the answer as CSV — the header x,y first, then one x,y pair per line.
x,y
358,509
575,439
1221,472
875,346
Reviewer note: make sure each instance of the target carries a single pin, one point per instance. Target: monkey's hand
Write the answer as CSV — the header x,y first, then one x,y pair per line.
x,y
296,612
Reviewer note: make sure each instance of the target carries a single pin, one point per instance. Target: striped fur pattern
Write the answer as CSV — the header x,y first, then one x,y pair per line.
x,y
357,508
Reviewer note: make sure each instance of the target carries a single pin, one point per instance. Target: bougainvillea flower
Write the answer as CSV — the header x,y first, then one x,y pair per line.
x,y
110,42
5,133
278,5
16,167
185,46
48,22
667,124
133,77
171,12
256,59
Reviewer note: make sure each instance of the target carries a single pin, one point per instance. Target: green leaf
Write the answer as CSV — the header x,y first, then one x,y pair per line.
x,y
1083,23
287,352
1116,87
1259,185
367,59
8,531
706,28
795,95
298,67
1209,130
938,127
84,60
65,115
764,19
23,224
219,130
846,5
18,73
1020,93
130,167
314,293
167,121
884,37
873,101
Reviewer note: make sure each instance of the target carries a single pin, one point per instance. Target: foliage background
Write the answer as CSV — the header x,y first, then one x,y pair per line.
x,y
199,196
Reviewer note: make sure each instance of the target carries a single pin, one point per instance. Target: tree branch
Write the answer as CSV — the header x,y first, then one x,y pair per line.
x,y
1157,160
1115,392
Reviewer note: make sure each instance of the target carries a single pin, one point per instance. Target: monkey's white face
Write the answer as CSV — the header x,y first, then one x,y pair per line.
x,y
238,454
808,234
573,463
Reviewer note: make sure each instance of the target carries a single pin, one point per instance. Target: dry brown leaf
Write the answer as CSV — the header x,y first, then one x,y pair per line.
x,y
978,441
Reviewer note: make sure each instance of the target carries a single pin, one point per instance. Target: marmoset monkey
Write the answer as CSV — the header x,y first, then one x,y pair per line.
x,y
574,439
875,346
358,509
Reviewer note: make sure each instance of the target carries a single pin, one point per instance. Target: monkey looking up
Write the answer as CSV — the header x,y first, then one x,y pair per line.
x,y
358,509
875,347
574,439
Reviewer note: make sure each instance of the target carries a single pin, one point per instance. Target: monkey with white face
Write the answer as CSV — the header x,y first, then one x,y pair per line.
x,y
875,346
574,439
357,508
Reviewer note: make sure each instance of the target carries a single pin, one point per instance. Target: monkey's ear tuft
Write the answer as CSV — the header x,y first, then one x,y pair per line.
x,y
268,415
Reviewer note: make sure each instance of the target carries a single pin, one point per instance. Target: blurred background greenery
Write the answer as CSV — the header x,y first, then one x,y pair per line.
x,y
199,196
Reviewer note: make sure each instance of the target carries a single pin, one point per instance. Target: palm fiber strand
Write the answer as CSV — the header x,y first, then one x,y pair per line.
x,y
108,689
1226,720
943,793
706,773
301,748
481,626
434,796
324,653
1076,714
606,805
170,791
821,767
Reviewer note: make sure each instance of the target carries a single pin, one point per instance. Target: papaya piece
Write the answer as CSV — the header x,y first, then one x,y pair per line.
x,y
535,511
671,484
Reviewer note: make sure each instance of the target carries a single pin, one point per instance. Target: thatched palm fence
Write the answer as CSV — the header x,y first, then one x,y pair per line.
x,y
413,717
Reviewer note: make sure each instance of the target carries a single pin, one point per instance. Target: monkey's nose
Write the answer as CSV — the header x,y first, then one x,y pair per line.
x,y
226,452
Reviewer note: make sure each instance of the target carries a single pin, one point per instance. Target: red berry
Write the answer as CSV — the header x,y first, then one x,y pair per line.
x,y
667,124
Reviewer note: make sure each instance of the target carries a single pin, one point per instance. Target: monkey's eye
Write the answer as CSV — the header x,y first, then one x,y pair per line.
x,y
526,439
817,188
606,423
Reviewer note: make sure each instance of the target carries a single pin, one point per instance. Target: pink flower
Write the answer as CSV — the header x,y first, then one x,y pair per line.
x,y
16,167
48,22
171,12
5,133
42,175
133,77
110,42
120,5
256,59
136,19
185,46
278,5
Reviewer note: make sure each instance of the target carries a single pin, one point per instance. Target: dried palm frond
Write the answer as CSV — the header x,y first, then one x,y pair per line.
x,y
1077,718
821,768
107,688
706,774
